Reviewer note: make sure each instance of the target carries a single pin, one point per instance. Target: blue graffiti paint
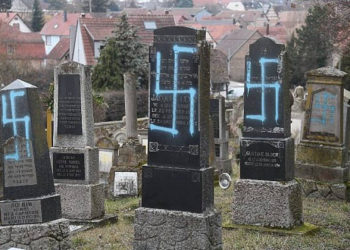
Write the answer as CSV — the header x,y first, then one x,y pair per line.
x,y
263,85
175,91
325,107
14,121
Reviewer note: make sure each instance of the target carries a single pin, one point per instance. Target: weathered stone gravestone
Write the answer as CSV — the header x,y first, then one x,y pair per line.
x,y
30,203
298,110
125,184
322,153
74,157
177,183
223,163
266,194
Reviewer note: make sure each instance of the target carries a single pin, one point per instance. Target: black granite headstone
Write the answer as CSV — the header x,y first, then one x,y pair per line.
x,y
29,194
267,151
178,132
69,105
215,116
68,166
266,98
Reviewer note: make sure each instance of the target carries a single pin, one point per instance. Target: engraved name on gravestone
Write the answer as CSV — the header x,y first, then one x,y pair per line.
x,y
21,212
266,147
69,105
69,166
19,169
173,131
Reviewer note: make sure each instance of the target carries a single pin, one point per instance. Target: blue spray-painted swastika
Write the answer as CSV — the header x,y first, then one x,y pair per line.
x,y
276,85
325,107
175,91
14,121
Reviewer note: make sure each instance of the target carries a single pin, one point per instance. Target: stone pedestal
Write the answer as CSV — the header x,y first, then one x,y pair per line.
x,y
267,203
322,155
50,235
131,154
130,105
80,201
165,229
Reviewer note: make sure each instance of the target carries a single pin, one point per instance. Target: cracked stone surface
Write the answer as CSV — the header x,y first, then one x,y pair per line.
x,y
267,203
327,191
51,235
176,230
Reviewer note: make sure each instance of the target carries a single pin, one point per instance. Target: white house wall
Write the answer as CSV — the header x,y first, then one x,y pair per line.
x,y
79,52
22,26
54,41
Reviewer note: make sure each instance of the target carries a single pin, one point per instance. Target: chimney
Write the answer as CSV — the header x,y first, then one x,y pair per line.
x,y
7,14
65,16
166,12
268,29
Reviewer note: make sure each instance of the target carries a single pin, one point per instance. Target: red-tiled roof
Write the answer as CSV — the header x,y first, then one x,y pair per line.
x,y
7,17
217,31
60,50
207,2
277,32
146,35
56,26
99,28
88,46
26,45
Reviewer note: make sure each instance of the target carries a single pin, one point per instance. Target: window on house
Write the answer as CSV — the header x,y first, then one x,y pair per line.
x,y
150,25
48,40
10,49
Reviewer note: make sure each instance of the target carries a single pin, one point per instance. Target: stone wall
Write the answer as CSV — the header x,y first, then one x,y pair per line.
x,y
116,109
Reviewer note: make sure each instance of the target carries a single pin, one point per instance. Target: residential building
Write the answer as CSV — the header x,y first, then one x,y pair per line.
x,y
236,46
22,47
14,19
60,52
58,27
91,34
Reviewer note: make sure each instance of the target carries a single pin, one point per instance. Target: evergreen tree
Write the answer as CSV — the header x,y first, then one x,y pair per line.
x,y
5,5
183,3
96,5
122,53
312,46
38,17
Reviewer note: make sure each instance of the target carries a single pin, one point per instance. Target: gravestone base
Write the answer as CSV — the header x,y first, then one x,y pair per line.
x,y
50,235
90,159
132,154
329,191
30,211
267,203
318,154
82,202
224,166
166,229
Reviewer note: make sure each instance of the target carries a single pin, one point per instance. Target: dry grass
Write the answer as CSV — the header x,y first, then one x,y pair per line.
x,y
332,216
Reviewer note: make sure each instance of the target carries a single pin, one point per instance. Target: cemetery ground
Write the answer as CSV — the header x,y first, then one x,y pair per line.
x,y
333,218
